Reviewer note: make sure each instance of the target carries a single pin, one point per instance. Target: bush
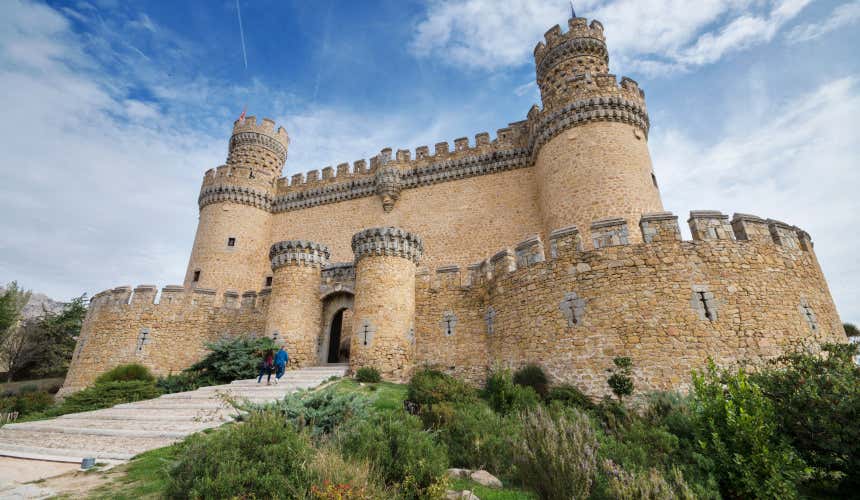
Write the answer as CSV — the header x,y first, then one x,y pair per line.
x,y
125,373
405,456
476,437
736,427
532,375
430,386
320,411
619,379
264,457
233,359
506,397
105,395
569,395
637,485
557,454
181,382
816,401
26,402
337,478
368,374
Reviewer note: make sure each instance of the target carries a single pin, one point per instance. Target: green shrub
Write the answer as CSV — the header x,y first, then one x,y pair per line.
x,y
125,373
105,395
557,453
476,437
505,396
736,427
569,395
532,375
402,453
181,382
264,457
636,485
321,412
429,386
816,401
368,374
620,380
232,359
26,403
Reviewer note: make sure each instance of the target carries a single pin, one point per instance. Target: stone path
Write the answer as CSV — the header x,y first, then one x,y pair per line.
x,y
125,430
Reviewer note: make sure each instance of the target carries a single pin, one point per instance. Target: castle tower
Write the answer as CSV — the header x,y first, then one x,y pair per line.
x,y
232,239
383,319
294,313
591,138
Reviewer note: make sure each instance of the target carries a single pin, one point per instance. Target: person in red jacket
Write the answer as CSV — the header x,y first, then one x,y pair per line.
x,y
266,367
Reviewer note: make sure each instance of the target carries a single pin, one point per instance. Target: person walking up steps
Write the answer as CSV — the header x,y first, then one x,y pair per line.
x,y
281,359
266,367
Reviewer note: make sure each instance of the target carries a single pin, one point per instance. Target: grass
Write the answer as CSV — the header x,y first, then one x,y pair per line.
x,y
144,477
383,395
485,493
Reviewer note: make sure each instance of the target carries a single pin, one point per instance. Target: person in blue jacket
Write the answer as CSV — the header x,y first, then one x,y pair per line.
x,y
281,359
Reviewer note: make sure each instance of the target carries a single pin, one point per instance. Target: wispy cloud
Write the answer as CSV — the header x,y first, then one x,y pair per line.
x,y
794,166
677,36
842,16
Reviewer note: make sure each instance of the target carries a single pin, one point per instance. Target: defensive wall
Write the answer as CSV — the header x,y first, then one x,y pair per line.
x,y
741,291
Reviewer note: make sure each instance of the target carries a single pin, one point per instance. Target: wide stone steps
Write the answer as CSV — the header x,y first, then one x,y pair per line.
x,y
125,430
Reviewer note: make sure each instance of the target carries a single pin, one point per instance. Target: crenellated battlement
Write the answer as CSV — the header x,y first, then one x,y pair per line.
x,y
610,235
258,146
585,37
175,299
265,127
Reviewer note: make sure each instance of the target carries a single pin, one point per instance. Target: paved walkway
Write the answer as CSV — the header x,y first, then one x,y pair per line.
x,y
125,430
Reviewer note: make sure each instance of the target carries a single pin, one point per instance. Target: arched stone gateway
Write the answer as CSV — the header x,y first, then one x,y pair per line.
x,y
336,332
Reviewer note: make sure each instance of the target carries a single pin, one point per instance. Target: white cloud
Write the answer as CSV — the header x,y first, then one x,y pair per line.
x,y
842,16
795,166
678,34
485,33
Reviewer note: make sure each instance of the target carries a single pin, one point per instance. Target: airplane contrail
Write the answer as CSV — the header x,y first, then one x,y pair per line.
x,y
242,35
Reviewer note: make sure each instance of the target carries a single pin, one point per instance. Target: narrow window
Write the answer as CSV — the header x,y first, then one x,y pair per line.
x,y
709,314
196,276
142,339
654,180
268,281
231,242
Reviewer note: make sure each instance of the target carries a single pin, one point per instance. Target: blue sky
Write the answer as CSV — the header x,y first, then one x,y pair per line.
x,y
114,109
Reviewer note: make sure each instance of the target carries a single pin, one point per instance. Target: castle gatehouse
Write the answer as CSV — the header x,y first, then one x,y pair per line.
x,y
545,244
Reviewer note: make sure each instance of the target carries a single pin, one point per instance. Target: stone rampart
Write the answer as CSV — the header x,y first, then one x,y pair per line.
x,y
668,304
167,335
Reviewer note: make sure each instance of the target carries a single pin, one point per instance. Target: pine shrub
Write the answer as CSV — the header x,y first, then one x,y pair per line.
x,y
571,396
505,396
532,375
125,373
368,375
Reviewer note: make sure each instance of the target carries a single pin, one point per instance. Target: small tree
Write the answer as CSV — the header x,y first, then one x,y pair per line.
x,y
12,301
851,330
620,379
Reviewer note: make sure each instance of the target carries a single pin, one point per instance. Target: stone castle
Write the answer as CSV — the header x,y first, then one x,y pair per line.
x,y
547,244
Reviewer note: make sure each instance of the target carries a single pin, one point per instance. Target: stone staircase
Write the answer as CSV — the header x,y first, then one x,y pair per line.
x,y
125,430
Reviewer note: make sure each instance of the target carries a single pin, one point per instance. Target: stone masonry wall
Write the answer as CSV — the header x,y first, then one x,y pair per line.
x,y
574,312
167,337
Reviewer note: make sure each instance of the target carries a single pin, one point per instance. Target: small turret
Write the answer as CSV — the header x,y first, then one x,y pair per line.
x,y
258,146
564,56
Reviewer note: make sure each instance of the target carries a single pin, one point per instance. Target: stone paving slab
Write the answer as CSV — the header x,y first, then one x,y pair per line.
x,y
125,430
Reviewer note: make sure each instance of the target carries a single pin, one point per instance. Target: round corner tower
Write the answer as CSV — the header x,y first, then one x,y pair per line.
x,y
591,137
383,331
232,240
294,312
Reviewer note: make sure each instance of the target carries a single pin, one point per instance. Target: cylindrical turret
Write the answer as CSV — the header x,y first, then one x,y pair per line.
x,y
294,308
383,329
591,138
235,201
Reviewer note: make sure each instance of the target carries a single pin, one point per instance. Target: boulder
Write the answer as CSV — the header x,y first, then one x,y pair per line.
x,y
485,478
461,495
459,473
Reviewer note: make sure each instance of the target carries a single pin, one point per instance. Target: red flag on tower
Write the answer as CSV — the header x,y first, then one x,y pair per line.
x,y
242,116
